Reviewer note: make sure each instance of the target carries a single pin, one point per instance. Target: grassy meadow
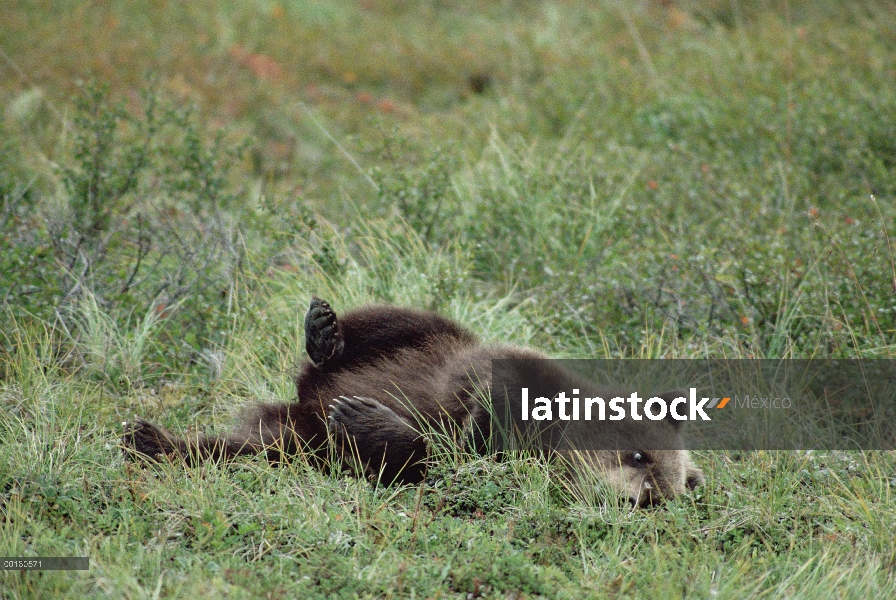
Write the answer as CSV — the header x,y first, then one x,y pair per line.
x,y
652,179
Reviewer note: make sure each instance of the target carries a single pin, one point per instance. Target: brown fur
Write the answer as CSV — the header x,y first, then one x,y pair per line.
x,y
378,373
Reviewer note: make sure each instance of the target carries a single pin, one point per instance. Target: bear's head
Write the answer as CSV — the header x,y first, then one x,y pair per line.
x,y
644,461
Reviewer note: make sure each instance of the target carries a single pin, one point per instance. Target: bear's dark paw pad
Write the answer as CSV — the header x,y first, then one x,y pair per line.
x,y
143,440
323,340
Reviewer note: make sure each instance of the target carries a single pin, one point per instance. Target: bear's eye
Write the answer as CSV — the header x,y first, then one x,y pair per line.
x,y
639,458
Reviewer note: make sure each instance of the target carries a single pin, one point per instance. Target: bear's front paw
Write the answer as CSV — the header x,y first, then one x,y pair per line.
x,y
694,478
141,439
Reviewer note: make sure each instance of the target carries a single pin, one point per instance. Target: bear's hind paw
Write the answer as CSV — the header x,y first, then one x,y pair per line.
x,y
323,340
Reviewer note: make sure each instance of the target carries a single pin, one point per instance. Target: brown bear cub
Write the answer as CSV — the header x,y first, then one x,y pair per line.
x,y
380,376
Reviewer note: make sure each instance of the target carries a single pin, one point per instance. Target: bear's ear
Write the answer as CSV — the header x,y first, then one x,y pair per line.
x,y
669,397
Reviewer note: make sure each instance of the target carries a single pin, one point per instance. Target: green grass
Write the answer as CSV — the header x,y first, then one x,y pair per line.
x,y
642,180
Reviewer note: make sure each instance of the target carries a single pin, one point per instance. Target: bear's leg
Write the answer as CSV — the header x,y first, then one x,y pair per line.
x,y
142,439
388,447
148,442
370,333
